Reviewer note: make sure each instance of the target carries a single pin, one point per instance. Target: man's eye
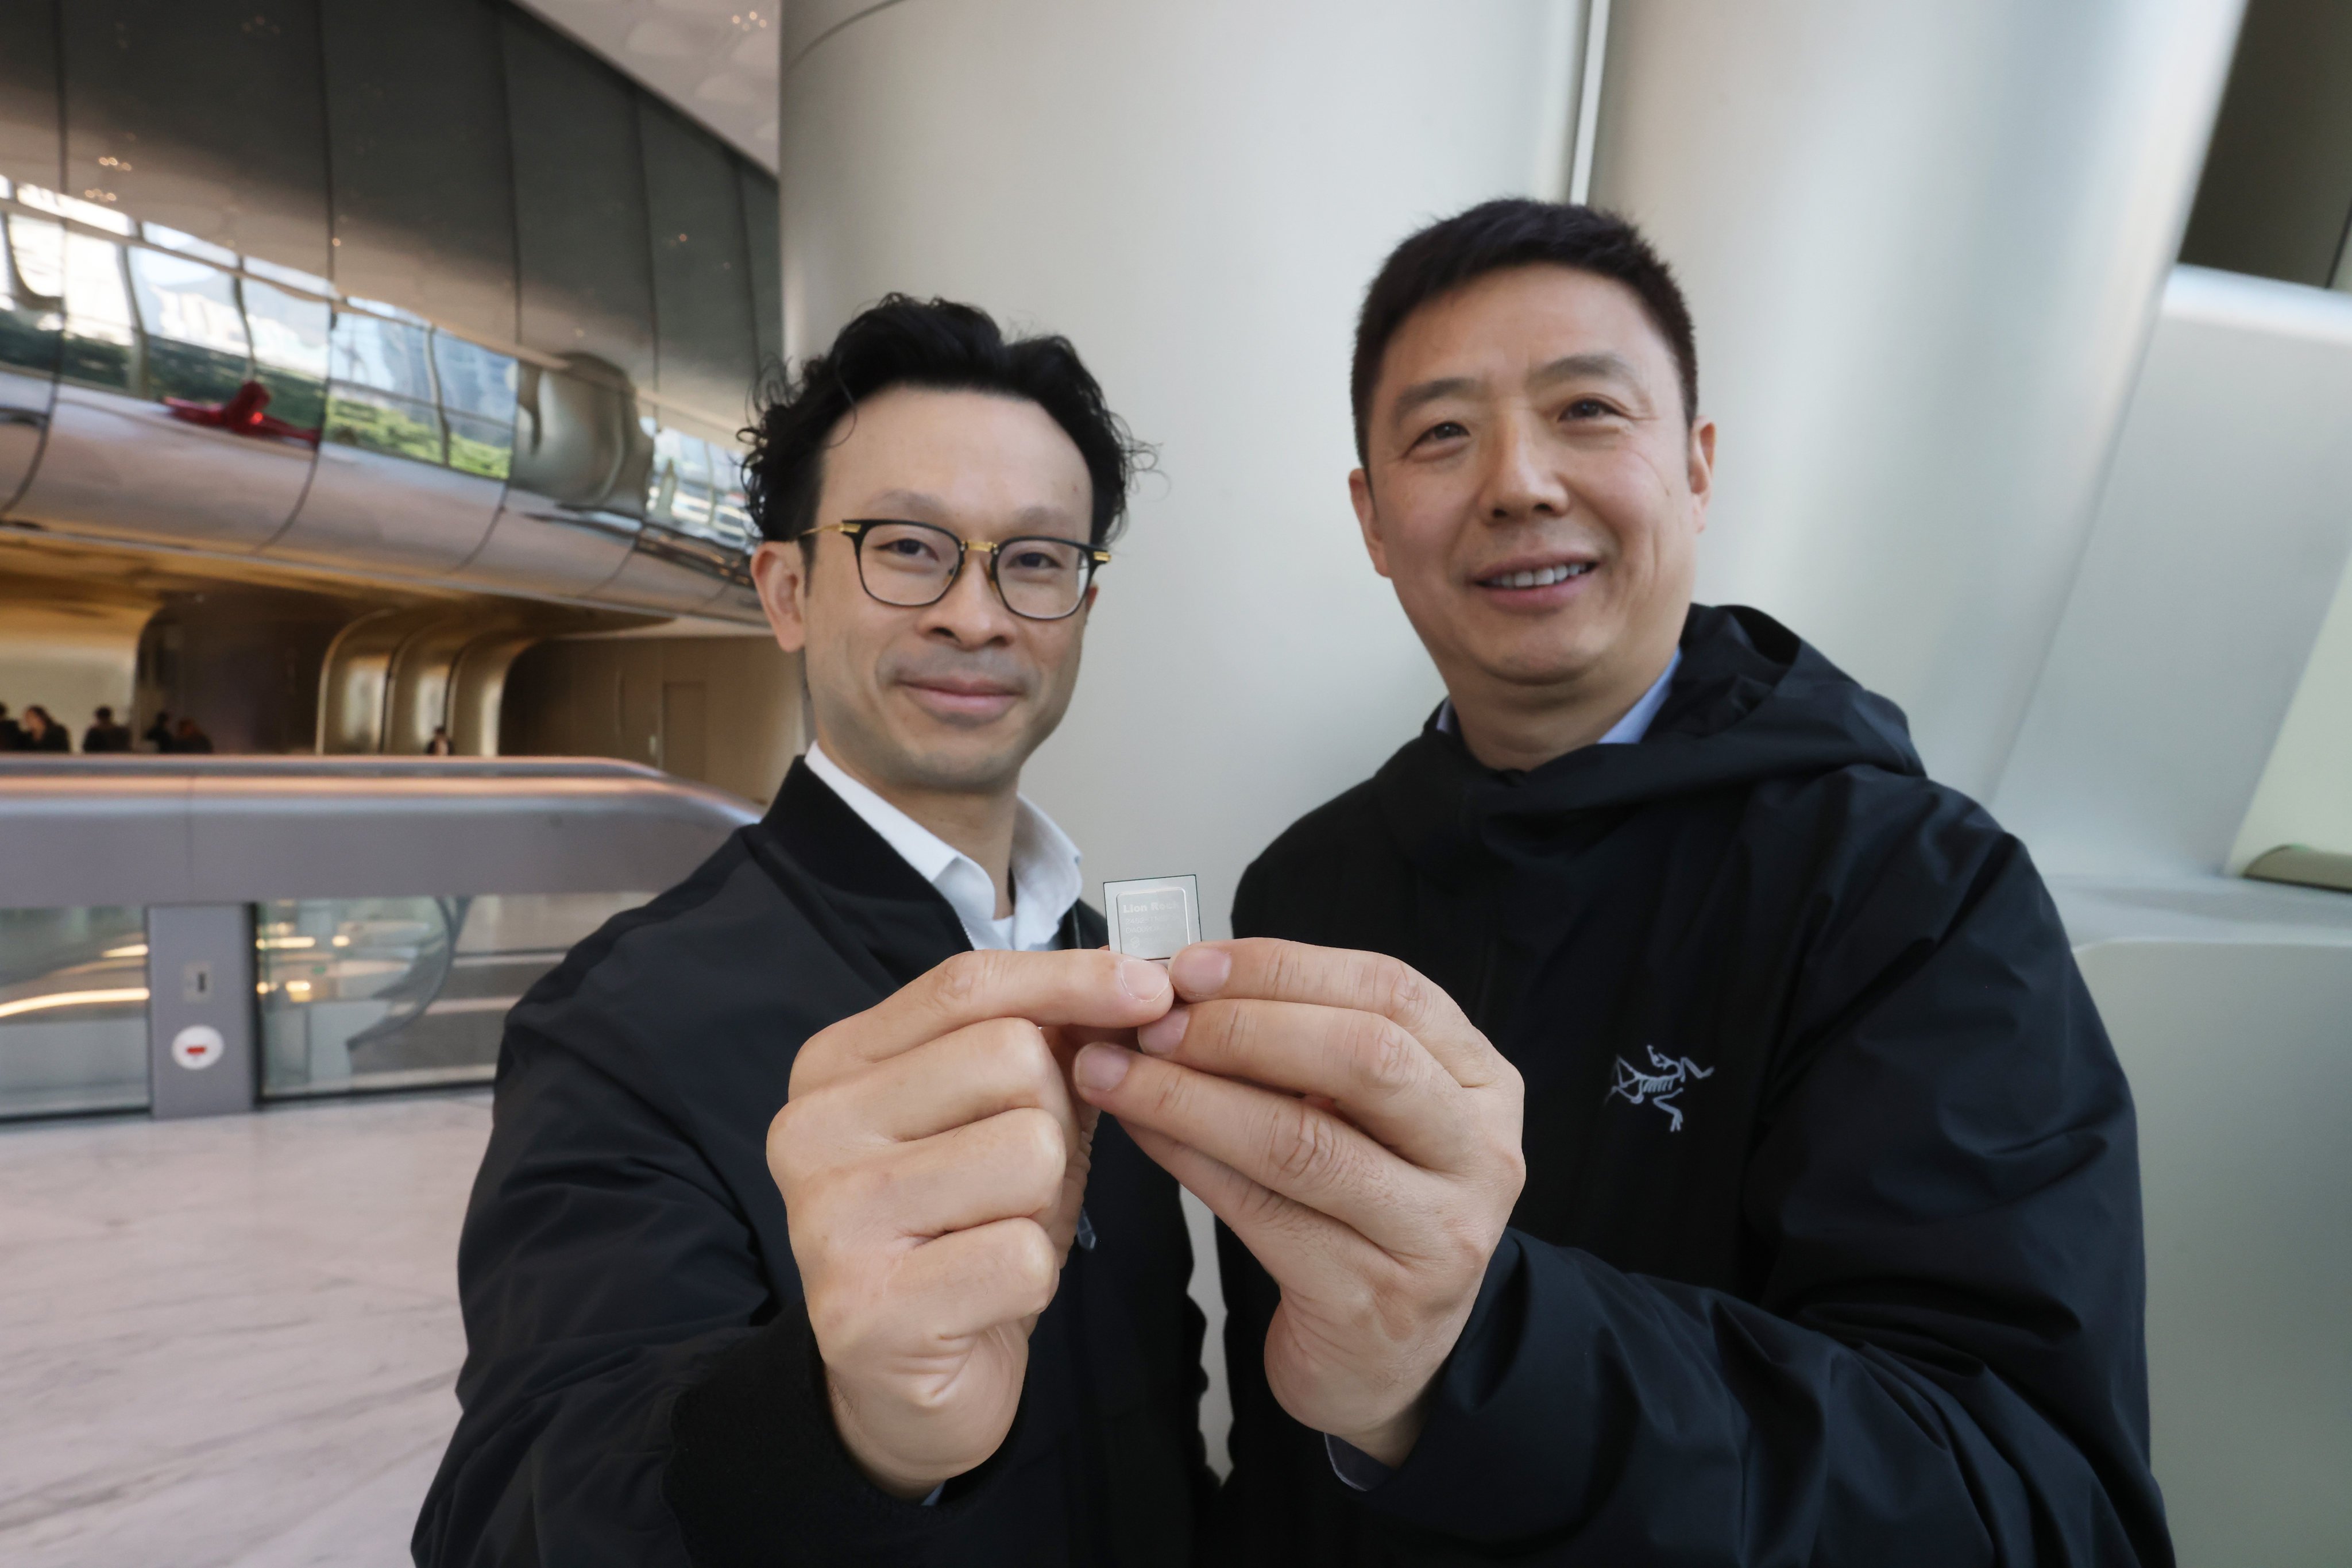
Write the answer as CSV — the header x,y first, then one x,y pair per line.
x,y
1589,408
1443,430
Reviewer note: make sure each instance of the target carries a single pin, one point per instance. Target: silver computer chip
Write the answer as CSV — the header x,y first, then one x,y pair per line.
x,y
1153,917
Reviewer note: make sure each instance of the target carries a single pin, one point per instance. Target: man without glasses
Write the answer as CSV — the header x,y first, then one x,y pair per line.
x,y
1826,1244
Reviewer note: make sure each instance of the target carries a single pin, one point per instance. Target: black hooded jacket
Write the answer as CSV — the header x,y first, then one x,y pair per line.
x,y
640,1384
1830,1248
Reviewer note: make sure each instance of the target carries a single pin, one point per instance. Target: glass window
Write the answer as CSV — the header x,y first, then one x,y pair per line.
x,y
679,492
390,992
73,1010
101,346
477,398
730,515
290,351
188,245
383,393
196,347
32,283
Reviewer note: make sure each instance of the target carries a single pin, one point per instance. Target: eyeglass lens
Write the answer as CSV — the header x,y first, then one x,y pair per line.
x,y
911,563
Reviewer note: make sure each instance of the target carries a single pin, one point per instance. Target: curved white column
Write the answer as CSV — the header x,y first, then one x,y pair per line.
x,y
1197,193
1923,243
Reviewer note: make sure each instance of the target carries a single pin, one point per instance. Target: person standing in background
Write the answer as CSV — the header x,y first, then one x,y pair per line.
x,y
104,734
12,733
44,733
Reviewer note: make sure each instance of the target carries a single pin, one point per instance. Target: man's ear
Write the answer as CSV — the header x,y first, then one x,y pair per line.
x,y
779,571
1368,520
1701,467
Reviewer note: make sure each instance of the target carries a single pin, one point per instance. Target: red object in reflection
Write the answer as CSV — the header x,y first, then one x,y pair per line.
x,y
241,414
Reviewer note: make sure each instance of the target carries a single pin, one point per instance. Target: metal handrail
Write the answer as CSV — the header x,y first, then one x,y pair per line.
x,y
78,830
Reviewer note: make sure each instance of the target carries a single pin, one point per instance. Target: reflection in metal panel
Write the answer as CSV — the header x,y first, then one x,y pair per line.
x,y
121,466
144,830
201,115
73,1010
371,508
579,183
705,348
31,331
416,136
170,369
367,994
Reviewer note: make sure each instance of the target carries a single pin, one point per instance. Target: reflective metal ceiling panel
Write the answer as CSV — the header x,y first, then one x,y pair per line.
x,y
416,137
203,115
705,354
579,218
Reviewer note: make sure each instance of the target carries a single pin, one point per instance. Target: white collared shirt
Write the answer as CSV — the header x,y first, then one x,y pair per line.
x,y
1626,730
1046,877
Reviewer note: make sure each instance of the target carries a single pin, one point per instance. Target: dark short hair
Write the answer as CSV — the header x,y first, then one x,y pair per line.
x,y
939,344
1516,232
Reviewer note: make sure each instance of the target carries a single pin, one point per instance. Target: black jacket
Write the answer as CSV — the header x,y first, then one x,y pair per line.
x,y
1830,1248
640,1387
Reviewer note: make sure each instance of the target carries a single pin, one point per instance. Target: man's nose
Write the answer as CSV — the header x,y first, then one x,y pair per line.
x,y
1522,476
969,612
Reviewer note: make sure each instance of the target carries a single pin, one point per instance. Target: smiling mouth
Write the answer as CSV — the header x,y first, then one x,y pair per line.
x,y
1538,576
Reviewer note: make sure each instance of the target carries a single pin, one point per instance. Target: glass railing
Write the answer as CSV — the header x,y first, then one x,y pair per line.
x,y
73,1010
351,994
269,353
364,993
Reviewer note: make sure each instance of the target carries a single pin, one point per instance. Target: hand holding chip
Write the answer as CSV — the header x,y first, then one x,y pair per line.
x,y
1361,1138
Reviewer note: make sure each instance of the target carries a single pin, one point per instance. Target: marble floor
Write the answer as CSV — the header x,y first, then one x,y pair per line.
x,y
229,1341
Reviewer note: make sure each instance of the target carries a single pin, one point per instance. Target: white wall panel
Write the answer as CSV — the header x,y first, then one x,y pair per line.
x,y
1924,243
1197,195
2219,541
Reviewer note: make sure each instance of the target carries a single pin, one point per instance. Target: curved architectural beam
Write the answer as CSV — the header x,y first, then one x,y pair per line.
x,y
1924,245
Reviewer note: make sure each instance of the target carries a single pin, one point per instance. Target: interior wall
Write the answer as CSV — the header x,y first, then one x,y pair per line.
x,y
1924,246
1201,223
69,649
242,662
721,710
2305,793
2277,193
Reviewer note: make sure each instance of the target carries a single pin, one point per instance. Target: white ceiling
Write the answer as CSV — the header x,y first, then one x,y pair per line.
x,y
716,59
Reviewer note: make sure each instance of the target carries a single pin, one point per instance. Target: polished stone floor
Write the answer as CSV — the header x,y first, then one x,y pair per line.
x,y
229,1341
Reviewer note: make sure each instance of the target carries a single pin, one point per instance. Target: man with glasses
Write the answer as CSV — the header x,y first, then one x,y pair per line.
x,y
788,1212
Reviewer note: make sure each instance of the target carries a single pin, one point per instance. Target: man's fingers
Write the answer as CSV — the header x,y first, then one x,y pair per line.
x,y
1377,1074
1009,1166
1278,1140
1272,970
974,1279
1296,1245
976,1071
1104,989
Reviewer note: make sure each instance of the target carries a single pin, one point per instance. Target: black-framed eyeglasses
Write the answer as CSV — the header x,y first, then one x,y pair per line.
x,y
911,565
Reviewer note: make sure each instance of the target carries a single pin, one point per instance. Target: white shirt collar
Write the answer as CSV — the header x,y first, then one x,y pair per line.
x,y
1047,879
1626,730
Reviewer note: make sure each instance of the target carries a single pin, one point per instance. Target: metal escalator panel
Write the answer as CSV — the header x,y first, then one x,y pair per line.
x,y
403,482
373,994
32,329
73,1010
157,433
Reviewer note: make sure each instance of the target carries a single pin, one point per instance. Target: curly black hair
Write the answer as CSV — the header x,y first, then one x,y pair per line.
x,y
936,344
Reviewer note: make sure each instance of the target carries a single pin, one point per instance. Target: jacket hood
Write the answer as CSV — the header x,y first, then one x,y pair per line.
x,y
1751,702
